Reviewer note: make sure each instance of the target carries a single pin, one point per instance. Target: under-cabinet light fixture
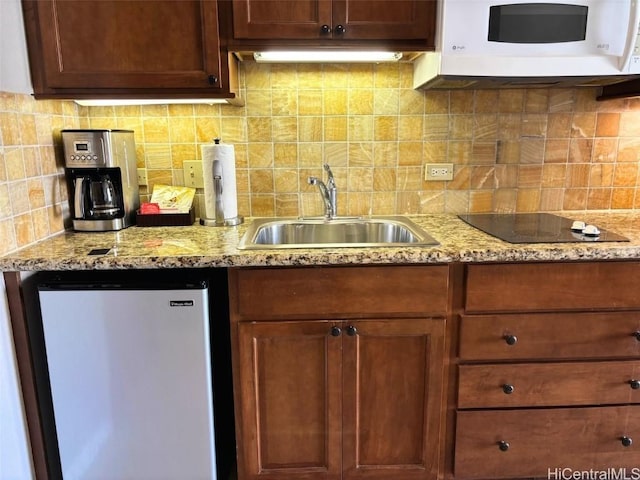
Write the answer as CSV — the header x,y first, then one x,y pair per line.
x,y
156,101
326,56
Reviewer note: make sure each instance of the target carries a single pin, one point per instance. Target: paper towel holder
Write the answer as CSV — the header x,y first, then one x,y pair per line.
x,y
219,220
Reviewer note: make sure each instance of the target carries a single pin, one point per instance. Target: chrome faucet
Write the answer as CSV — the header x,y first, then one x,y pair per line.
x,y
329,193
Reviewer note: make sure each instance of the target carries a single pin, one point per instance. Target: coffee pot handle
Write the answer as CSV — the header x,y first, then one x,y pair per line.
x,y
78,196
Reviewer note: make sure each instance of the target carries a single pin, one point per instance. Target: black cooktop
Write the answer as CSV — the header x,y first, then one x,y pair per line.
x,y
534,228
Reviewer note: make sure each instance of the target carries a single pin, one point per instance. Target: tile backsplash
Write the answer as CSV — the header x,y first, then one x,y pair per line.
x,y
513,150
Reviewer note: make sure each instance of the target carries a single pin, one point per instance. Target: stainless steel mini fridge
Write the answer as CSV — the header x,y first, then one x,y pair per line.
x,y
130,379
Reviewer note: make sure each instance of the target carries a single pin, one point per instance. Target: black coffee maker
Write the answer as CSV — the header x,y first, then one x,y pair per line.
x,y
102,178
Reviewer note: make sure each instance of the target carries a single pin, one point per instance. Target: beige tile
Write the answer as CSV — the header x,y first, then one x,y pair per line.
x,y
509,126
511,101
623,198
286,205
14,163
481,201
554,175
19,195
40,219
551,199
335,129
23,226
310,129
461,101
285,155
411,102
385,128
460,152
261,181
506,176
436,127
532,150
35,188
607,124
360,179
605,150
577,175
575,199
436,152
561,100
258,103
262,205
385,154
360,128
10,128
335,102
337,75
383,203
359,154
529,176
387,75
361,76
284,102
456,201
7,237
284,129
259,129
410,154
461,179
534,125
528,200
599,198
584,125
486,101
482,177
630,124
556,151
625,175
485,127
182,129
484,152
508,151
260,155
208,128
410,127
156,129
384,180
360,102
461,127
437,101
601,175
286,180
359,203
310,102
536,100
310,155
580,150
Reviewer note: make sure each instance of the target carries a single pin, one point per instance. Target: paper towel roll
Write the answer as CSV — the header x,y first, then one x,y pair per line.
x,y
225,154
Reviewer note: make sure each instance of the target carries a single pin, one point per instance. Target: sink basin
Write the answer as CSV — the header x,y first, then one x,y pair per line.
x,y
269,233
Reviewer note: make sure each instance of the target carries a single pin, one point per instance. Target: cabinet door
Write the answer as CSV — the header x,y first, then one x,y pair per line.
x,y
281,19
392,394
334,19
290,380
153,44
384,20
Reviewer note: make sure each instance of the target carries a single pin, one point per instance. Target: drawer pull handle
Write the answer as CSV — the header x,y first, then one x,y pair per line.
x,y
335,331
508,389
340,29
635,384
626,441
325,29
503,446
352,331
512,339
637,335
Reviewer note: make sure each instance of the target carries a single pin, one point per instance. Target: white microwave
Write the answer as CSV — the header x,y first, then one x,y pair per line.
x,y
533,41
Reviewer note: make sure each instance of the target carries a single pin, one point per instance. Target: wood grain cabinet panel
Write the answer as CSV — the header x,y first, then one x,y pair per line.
x,y
357,394
337,292
552,287
549,384
335,21
550,336
97,46
537,441
548,363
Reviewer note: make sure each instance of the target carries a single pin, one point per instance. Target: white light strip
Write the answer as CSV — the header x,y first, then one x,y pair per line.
x,y
320,56
155,101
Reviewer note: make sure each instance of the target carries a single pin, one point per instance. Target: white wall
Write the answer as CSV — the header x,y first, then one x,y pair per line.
x,y
14,64
15,458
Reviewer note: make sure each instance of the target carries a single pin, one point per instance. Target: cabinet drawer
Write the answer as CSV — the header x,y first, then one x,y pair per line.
x,y
549,384
552,336
339,292
552,286
541,440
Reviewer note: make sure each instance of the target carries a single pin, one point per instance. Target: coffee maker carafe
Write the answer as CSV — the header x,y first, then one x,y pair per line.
x,y
102,178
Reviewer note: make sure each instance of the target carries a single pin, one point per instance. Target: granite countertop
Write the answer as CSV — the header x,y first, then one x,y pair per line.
x,y
199,247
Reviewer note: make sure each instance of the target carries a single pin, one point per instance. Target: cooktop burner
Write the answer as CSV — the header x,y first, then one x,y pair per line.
x,y
534,228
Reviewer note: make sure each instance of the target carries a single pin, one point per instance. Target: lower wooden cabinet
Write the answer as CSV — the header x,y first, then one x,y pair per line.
x,y
539,443
341,399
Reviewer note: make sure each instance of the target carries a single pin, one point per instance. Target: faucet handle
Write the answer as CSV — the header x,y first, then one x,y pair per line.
x,y
330,180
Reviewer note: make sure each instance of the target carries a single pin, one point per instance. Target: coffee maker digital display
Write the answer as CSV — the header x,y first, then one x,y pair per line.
x,y
102,178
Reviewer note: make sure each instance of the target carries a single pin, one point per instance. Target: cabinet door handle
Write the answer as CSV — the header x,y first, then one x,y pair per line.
x,y
508,389
626,441
503,446
510,339
335,331
213,79
352,331
340,29
325,29
635,384
637,335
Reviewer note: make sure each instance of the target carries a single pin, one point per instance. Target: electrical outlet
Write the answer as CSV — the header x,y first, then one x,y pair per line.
x,y
438,171
193,174
142,177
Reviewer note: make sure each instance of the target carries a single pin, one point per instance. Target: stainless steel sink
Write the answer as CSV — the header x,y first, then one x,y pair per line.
x,y
269,233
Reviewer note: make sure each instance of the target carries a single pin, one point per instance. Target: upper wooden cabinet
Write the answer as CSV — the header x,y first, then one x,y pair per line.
x,y
335,21
81,48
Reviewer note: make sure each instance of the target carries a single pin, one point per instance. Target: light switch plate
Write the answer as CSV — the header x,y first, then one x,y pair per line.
x,y
193,174
142,177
